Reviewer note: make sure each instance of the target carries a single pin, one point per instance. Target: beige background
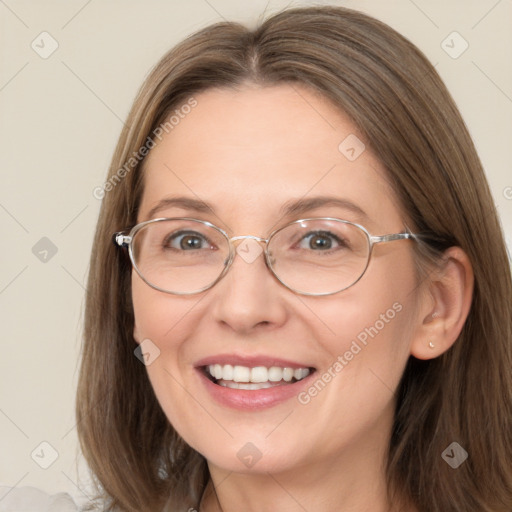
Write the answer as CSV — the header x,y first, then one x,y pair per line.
x,y
59,120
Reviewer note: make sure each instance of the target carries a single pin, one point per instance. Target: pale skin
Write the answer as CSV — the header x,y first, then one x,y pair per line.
x,y
247,152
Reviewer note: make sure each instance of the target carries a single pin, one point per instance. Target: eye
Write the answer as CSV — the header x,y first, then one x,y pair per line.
x,y
186,241
320,241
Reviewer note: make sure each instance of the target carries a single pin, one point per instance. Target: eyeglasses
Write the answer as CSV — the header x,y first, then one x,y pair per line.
x,y
314,256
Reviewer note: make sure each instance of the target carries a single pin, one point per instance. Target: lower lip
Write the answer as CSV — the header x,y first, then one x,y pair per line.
x,y
253,399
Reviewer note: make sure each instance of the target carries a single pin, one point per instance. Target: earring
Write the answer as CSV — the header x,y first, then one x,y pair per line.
x,y
431,345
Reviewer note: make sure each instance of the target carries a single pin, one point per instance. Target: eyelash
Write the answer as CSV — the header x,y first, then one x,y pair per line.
x,y
175,236
325,234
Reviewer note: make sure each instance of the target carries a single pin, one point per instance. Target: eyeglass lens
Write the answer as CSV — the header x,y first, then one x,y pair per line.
x,y
316,256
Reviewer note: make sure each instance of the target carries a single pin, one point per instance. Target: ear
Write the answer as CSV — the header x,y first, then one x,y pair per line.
x,y
443,310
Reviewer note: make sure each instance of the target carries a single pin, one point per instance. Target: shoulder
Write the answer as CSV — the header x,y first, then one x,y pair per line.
x,y
31,499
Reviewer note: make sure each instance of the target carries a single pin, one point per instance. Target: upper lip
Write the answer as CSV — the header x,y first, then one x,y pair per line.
x,y
250,361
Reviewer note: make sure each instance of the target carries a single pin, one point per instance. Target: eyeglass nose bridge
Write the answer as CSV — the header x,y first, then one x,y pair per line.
x,y
252,237
233,250
234,245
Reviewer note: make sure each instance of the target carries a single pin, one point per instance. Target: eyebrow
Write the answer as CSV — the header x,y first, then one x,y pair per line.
x,y
301,206
292,207
187,203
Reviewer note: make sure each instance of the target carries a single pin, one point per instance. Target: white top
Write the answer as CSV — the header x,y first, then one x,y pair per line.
x,y
30,499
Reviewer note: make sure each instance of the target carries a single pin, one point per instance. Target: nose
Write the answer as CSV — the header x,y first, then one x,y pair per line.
x,y
248,297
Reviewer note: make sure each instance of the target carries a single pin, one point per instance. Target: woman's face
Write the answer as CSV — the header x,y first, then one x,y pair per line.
x,y
247,153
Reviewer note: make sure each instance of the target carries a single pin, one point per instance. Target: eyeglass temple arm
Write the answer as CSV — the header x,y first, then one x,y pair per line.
x,y
120,239
390,238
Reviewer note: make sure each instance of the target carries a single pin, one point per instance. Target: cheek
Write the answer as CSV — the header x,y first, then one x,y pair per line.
x,y
164,321
366,333
159,316
371,323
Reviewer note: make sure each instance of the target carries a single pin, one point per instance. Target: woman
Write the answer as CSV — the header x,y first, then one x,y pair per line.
x,y
299,295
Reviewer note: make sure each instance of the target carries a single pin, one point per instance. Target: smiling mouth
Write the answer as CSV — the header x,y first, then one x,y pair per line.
x,y
254,378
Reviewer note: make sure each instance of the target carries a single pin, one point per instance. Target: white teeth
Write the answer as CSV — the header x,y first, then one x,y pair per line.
x,y
300,373
227,372
287,374
240,374
250,386
275,374
258,375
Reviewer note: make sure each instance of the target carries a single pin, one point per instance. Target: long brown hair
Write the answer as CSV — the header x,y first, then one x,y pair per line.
x,y
400,105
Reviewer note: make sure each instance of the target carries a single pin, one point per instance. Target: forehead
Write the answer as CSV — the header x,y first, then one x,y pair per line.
x,y
249,151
